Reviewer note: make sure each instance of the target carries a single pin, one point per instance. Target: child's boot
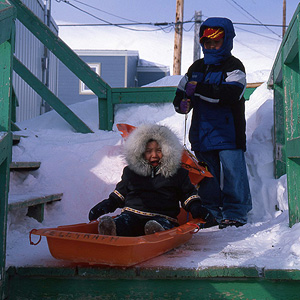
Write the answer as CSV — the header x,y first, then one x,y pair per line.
x,y
107,226
153,226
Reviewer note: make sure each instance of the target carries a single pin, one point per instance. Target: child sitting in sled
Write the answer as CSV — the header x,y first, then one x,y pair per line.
x,y
152,186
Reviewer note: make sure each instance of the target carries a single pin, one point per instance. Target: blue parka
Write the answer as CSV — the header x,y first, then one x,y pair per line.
x,y
218,104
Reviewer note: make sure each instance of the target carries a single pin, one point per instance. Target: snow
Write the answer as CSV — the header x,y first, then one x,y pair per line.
x,y
86,167
146,63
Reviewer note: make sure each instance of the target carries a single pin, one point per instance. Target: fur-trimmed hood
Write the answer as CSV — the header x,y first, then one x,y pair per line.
x,y
136,144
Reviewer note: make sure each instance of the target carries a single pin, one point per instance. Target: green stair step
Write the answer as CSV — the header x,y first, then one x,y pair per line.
x,y
34,202
24,165
17,138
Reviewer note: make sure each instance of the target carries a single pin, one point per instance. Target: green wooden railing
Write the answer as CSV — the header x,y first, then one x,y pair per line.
x,y
7,16
107,96
65,54
285,81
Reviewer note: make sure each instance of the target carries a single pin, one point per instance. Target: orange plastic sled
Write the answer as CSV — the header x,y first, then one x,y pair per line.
x,y
188,160
82,244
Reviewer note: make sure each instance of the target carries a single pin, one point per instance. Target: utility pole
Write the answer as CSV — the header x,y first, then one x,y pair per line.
x,y
198,20
178,37
283,18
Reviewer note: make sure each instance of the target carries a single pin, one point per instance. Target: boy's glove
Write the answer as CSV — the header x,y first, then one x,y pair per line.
x,y
185,106
99,210
190,88
199,211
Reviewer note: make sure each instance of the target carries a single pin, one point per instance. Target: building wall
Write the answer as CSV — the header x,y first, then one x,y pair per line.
x,y
131,70
147,75
30,51
117,68
112,69
68,88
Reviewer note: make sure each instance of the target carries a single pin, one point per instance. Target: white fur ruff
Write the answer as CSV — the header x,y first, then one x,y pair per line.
x,y
136,144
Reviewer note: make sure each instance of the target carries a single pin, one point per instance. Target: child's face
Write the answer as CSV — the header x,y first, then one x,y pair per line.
x,y
153,153
211,44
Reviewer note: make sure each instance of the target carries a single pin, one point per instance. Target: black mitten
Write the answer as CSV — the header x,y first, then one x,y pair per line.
x,y
199,211
98,210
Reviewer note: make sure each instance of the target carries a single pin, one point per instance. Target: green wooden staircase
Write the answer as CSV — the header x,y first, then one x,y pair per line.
x,y
36,202
7,16
90,282
107,96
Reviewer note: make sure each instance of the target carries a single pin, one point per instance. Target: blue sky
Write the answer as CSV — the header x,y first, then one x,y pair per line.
x,y
239,11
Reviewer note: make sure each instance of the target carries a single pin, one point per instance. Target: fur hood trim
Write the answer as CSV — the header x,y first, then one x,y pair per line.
x,y
136,144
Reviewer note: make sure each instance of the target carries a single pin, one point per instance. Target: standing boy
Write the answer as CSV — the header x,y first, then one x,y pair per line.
x,y
214,88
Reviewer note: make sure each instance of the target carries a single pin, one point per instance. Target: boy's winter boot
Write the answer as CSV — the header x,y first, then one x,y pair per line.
x,y
226,223
107,226
152,226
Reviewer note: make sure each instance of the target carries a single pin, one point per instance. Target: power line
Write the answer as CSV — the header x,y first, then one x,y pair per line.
x,y
168,27
261,24
106,22
265,36
254,17
234,6
96,8
164,26
254,49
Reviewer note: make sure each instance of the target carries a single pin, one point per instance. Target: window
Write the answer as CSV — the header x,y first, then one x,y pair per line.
x,y
83,89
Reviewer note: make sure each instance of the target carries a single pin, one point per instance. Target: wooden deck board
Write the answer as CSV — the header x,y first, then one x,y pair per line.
x,y
77,282
34,203
24,165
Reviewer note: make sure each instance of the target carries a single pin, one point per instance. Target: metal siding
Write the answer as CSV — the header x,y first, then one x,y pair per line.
x,y
29,50
149,77
132,71
68,89
112,71
53,64
112,68
53,79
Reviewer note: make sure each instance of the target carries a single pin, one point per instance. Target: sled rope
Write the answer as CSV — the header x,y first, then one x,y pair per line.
x,y
30,240
188,167
184,138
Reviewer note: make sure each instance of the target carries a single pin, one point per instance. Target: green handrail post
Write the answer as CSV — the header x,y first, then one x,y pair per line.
x,y
14,104
103,120
67,56
52,100
7,17
60,49
141,95
285,81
